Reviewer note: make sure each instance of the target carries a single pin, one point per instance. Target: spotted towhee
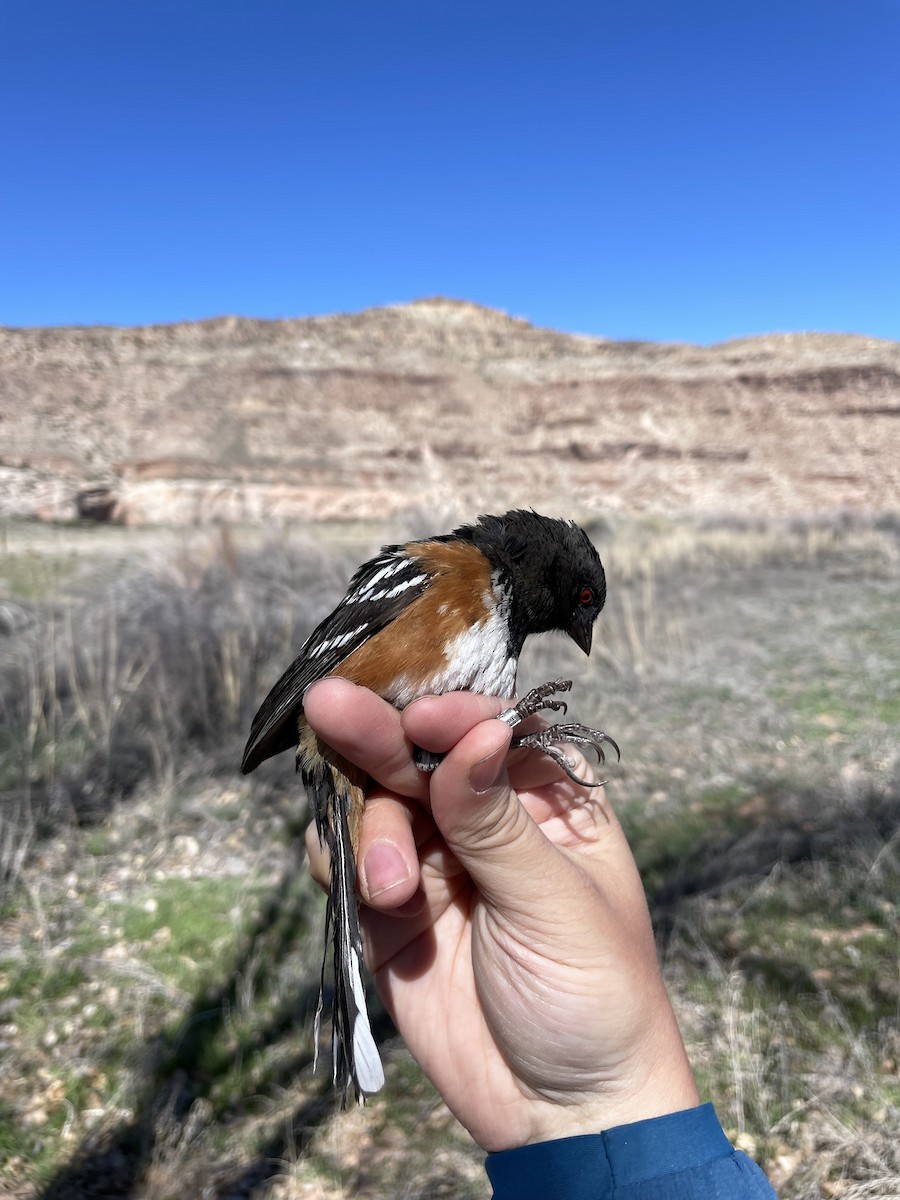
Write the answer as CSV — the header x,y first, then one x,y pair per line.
x,y
447,613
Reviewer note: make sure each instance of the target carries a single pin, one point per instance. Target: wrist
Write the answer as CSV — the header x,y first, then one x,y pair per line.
x,y
657,1082
621,1104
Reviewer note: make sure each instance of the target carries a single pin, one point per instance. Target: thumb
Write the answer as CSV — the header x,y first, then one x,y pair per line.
x,y
489,831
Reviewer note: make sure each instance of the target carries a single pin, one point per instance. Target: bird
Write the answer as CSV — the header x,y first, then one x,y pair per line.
x,y
444,613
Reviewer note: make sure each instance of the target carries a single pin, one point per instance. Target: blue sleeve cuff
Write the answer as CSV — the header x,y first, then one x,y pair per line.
x,y
683,1156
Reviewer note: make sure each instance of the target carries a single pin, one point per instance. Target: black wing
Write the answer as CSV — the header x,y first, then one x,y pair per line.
x,y
378,592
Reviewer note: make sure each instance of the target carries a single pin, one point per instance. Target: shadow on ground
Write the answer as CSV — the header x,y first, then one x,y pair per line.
x,y
822,831
178,1070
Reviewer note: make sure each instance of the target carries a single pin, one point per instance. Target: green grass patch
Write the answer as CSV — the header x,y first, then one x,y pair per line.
x,y
31,576
28,1151
763,1052
851,680
188,926
97,843
665,844
844,704
36,983
24,765
815,930
14,1138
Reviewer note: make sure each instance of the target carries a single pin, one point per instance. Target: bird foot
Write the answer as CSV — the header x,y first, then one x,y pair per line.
x,y
549,740
537,700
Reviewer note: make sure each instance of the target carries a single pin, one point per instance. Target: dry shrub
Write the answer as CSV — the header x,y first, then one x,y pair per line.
x,y
130,683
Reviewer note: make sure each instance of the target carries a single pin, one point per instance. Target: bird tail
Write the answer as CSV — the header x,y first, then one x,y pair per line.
x,y
337,799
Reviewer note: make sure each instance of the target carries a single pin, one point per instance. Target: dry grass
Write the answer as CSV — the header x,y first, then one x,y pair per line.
x,y
159,944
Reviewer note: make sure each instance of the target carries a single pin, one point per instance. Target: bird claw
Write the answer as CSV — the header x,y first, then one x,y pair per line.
x,y
537,700
549,740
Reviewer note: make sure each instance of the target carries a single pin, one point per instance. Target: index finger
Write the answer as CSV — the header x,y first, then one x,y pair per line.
x,y
437,723
366,730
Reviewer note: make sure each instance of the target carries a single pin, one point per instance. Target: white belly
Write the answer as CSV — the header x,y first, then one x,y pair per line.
x,y
479,661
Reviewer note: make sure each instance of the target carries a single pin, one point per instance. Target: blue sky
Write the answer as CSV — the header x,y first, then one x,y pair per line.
x,y
678,171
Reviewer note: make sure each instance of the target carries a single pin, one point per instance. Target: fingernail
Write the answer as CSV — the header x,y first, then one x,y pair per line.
x,y
484,774
384,867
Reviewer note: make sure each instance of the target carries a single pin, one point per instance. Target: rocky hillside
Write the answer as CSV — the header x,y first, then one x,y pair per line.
x,y
436,403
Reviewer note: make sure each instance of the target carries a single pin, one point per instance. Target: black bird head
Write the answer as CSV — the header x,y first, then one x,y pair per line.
x,y
549,569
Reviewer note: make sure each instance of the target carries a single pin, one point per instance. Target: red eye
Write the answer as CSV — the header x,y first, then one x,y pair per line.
x,y
586,596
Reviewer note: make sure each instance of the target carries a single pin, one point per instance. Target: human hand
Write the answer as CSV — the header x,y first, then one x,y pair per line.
x,y
504,923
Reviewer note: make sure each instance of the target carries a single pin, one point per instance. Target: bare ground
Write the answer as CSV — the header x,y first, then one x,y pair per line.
x,y
159,941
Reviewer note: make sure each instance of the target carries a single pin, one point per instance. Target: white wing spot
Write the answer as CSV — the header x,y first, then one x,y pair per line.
x,y
398,588
367,591
336,642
